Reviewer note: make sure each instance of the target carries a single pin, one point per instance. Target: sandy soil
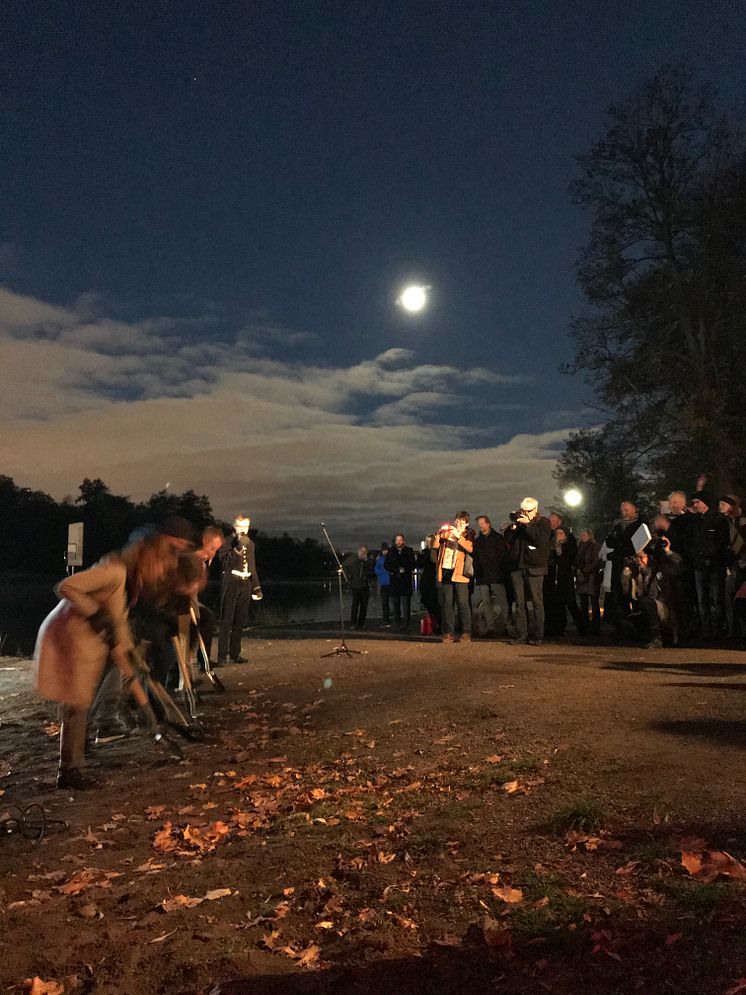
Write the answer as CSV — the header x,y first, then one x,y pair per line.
x,y
419,818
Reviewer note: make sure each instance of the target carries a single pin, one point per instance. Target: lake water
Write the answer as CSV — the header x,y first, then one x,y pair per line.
x,y
25,601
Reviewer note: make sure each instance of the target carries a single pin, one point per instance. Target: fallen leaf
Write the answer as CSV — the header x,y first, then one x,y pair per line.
x,y
496,935
88,877
35,986
310,956
709,865
510,787
512,896
180,902
216,893
51,729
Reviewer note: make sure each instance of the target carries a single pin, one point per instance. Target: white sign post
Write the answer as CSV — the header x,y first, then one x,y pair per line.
x,y
74,546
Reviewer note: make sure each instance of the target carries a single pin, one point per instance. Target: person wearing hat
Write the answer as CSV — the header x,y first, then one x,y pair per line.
x,y
710,538
240,586
735,574
530,538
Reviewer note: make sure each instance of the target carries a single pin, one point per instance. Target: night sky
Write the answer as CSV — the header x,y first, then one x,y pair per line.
x,y
209,209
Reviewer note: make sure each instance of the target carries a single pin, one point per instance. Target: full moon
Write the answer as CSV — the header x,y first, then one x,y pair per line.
x,y
413,298
573,498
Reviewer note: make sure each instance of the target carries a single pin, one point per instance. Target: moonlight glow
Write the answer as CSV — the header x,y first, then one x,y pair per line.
x,y
573,498
413,298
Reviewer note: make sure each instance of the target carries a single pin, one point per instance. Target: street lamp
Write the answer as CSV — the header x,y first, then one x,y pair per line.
x,y
573,498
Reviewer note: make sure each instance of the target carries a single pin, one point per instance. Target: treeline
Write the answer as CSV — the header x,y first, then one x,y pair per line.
x,y
661,338
35,529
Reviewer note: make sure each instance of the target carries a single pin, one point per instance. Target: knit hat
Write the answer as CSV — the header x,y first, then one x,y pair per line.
x,y
730,499
529,504
704,497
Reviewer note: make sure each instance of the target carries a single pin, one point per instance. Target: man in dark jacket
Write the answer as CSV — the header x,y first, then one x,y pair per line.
x,y
680,534
400,564
619,545
359,570
490,564
530,538
710,538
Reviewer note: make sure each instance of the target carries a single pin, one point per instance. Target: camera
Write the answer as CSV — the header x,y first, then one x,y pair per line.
x,y
515,515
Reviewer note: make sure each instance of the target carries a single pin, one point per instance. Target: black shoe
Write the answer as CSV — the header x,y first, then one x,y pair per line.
x,y
518,642
535,642
654,644
222,662
239,659
73,777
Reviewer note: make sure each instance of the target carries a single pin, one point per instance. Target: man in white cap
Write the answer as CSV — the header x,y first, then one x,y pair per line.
x,y
530,539
239,588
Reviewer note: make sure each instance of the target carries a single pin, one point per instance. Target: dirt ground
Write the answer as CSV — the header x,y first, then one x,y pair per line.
x,y
419,818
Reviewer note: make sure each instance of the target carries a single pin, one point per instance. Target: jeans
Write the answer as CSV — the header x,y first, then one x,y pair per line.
x,y
491,600
359,606
710,582
385,597
447,591
732,584
591,601
402,605
521,580
105,707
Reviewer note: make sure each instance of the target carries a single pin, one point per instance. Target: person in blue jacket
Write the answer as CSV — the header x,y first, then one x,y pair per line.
x,y
384,584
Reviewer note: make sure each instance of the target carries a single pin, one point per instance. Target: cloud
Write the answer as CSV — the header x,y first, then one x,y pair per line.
x,y
370,448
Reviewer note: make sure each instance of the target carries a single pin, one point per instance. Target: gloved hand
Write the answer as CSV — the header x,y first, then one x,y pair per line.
x,y
101,623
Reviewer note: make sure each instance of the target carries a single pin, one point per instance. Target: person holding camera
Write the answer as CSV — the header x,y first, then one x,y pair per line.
x,y
455,569
240,586
530,538
649,582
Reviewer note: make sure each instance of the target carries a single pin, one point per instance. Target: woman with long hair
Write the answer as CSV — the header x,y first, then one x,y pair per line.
x,y
90,628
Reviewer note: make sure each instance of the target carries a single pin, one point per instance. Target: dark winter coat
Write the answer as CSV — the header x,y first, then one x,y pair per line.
x,y
710,540
530,545
359,572
588,566
490,558
400,564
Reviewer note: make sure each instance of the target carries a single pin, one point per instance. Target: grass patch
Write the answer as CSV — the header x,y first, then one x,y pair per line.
x,y
703,900
584,815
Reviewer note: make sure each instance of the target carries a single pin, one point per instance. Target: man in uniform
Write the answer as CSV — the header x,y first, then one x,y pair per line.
x,y
239,588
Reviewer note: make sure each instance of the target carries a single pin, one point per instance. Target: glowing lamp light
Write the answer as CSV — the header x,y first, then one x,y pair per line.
x,y
413,298
573,498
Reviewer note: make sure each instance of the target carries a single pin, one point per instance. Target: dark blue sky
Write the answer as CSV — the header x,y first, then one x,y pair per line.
x,y
294,163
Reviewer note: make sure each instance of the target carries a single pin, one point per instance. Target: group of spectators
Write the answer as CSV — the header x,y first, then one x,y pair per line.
x,y
680,577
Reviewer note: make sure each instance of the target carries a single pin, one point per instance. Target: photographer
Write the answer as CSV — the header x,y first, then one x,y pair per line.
x,y
710,539
649,581
529,536
455,568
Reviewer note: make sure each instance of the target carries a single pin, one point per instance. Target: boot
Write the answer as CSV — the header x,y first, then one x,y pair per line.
x,y
73,777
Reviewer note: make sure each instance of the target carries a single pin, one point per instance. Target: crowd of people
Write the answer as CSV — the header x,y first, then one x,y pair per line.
x,y
119,625
680,578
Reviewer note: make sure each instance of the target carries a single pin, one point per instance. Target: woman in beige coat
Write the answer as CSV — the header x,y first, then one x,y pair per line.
x,y
87,628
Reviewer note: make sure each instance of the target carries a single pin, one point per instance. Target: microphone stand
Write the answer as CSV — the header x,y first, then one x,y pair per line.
x,y
343,649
